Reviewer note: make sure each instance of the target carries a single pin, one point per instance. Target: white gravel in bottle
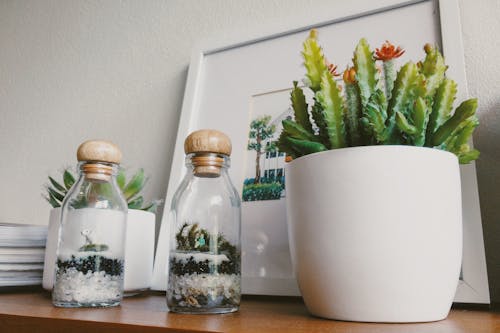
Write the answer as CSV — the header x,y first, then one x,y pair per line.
x,y
92,287
214,286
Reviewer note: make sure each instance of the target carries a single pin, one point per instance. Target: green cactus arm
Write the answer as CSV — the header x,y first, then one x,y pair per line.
x,y
319,119
135,185
57,186
366,71
404,125
314,61
420,119
333,110
296,131
353,114
284,145
409,84
374,117
136,203
299,106
465,133
468,157
68,179
457,143
304,147
389,76
441,108
465,110
433,68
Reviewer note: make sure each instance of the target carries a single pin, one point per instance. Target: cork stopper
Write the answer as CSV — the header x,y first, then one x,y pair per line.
x,y
206,145
95,151
99,151
208,141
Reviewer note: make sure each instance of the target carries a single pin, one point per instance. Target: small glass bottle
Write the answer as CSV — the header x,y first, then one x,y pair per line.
x,y
205,244
91,246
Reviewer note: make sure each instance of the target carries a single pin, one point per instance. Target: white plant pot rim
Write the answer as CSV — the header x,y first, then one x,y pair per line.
x,y
360,149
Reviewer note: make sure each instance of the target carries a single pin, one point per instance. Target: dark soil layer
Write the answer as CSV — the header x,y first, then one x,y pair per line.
x,y
95,263
200,267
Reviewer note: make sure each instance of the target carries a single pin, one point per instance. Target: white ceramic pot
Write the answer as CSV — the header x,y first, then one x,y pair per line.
x,y
376,232
139,250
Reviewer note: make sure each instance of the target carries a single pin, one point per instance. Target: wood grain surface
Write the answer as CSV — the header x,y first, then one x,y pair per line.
x,y
33,312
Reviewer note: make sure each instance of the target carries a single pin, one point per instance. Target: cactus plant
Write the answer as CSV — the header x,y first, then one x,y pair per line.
x,y
131,190
411,106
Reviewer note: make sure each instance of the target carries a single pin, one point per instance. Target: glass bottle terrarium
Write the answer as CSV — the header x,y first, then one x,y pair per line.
x,y
91,246
205,250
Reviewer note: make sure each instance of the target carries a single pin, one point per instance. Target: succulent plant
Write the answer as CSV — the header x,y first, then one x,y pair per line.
x,y
412,106
131,190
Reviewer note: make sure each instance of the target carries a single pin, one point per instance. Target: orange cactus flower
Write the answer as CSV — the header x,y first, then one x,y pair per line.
x,y
349,75
388,52
331,68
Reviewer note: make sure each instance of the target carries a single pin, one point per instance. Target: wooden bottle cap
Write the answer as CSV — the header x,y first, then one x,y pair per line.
x,y
208,141
99,151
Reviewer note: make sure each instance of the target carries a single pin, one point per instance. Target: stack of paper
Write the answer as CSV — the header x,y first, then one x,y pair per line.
x,y
22,250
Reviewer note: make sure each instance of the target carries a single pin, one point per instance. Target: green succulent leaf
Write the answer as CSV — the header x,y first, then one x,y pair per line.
x,y
333,110
366,71
68,179
57,186
299,106
314,61
121,179
152,206
52,201
136,203
135,185
56,195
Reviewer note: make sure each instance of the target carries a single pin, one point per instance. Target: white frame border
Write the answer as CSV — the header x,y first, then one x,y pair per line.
x,y
473,288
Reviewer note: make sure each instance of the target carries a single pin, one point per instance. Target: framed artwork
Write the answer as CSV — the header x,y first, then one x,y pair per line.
x,y
243,90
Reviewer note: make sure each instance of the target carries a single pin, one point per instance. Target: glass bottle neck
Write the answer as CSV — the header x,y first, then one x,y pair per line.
x,y
207,165
98,171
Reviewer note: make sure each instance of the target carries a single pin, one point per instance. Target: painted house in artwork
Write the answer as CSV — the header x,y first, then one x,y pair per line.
x,y
273,163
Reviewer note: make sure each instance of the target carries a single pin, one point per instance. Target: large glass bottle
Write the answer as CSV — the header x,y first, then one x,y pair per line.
x,y
91,246
205,250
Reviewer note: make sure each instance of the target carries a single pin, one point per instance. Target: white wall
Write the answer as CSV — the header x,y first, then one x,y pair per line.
x,y
72,70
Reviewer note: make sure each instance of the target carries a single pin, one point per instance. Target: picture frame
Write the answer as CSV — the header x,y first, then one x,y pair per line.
x,y
226,82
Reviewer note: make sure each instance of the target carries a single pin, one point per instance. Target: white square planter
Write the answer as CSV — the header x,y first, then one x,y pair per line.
x,y
139,250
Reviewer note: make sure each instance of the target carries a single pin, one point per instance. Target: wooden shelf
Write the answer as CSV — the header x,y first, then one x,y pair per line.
x,y
33,312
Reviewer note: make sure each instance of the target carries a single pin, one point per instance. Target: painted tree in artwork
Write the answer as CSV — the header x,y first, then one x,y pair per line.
x,y
260,131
